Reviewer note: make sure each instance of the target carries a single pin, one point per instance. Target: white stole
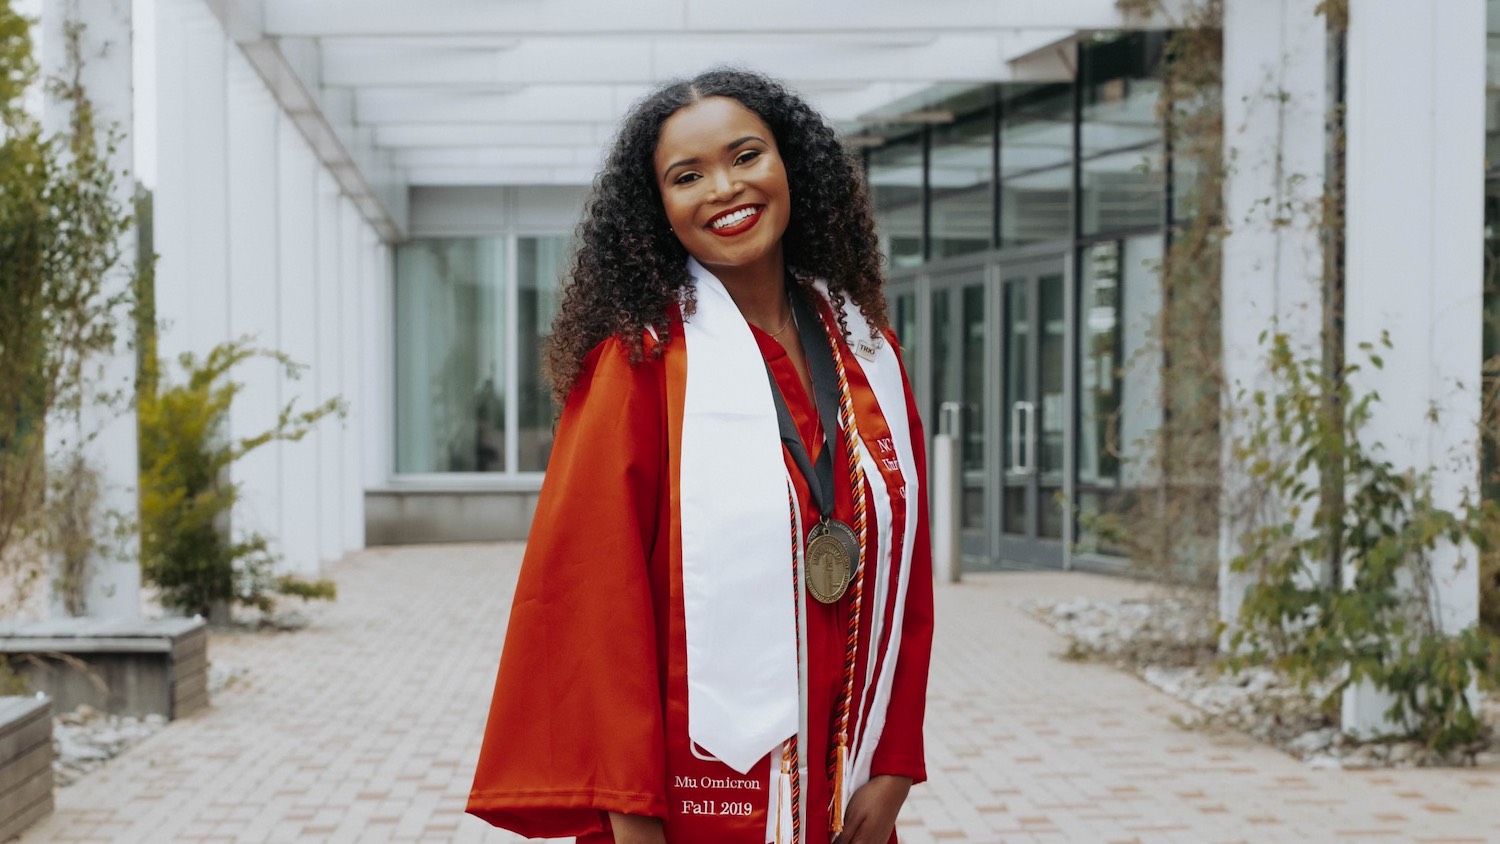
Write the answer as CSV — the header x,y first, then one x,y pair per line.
x,y
736,562
738,604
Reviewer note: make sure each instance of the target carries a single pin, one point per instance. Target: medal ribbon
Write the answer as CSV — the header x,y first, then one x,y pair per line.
x,y
831,388
826,385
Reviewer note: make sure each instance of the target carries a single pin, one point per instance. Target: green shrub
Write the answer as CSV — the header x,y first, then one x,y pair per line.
x,y
186,500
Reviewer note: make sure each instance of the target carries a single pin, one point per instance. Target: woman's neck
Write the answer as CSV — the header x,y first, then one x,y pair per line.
x,y
760,293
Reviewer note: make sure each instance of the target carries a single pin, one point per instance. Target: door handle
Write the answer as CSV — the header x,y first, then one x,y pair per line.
x,y
1030,438
1020,429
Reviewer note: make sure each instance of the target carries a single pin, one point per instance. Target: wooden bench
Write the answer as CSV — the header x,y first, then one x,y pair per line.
x,y
25,763
122,667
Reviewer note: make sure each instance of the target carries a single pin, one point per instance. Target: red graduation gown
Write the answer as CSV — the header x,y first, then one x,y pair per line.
x,y
589,713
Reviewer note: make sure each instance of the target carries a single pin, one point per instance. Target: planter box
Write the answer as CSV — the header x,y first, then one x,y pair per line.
x,y
122,667
25,763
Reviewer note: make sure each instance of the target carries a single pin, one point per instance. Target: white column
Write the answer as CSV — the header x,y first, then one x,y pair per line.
x,y
254,295
106,436
377,415
1275,108
356,265
327,367
1415,90
191,200
297,279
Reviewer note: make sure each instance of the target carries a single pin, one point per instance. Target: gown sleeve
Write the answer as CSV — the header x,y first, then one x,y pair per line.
x,y
576,727
900,752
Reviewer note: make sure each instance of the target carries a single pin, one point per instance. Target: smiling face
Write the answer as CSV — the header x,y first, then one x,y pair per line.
x,y
724,187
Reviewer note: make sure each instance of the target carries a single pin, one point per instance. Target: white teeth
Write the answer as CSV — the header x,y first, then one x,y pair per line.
x,y
737,217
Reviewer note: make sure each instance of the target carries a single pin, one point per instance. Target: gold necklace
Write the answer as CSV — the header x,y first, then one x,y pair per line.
x,y
788,320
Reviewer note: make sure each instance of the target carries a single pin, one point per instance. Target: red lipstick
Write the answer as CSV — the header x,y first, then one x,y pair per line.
x,y
740,227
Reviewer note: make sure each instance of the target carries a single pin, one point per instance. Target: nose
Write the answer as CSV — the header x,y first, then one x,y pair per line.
x,y
725,184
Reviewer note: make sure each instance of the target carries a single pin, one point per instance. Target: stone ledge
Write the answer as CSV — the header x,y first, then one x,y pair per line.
x,y
25,763
123,667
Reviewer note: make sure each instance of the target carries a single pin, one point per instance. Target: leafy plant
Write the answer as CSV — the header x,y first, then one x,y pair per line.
x,y
186,500
1377,622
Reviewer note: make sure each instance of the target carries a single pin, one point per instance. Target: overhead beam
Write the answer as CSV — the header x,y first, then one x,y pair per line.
x,y
463,176
596,105
554,103
470,18
507,157
398,136
970,57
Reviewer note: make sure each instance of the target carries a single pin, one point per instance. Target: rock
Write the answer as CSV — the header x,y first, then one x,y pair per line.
x,y
80,716
1313,740
1402,753
76,751
86,739
1323,762
1487,758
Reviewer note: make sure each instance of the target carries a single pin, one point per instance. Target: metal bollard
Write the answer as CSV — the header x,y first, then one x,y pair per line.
x,y
947,494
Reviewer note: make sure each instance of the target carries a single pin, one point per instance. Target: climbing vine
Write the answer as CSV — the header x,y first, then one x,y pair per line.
x,y
61,225
1169,527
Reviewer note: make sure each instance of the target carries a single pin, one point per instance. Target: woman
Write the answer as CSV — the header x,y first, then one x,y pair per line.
x,y
723,621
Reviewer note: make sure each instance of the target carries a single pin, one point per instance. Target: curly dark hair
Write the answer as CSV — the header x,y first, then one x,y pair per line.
x,y
630,269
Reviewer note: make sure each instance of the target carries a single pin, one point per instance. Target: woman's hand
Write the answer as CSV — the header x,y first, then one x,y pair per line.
x,y
636,829
872,811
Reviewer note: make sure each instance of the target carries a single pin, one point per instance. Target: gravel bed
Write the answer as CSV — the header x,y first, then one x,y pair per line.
x,y
1170,641
86,738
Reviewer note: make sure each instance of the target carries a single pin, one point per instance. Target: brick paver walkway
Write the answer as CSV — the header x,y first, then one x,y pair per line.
x,y
364,727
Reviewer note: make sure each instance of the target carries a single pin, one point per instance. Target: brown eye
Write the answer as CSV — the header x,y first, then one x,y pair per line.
x,y
747,156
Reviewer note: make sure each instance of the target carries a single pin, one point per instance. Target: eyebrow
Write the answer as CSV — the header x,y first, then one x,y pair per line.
x,y
729,147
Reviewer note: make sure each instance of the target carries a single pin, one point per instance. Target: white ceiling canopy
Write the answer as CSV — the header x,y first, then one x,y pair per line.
x,y
530,91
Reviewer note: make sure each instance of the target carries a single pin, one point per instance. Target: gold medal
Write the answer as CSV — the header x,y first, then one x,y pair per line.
x,y
829,557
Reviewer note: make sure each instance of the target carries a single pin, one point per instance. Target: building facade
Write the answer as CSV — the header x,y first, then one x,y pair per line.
x,y
386,192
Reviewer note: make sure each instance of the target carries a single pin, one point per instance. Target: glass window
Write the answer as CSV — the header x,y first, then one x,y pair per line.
x,y
974,377
1121,138
1036,164
1099,366
1119,392
944,360
895,178
450,327
906,330
961,178
541,263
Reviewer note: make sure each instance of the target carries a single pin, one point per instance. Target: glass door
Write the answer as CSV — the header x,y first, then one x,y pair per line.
x,y
959,375
1034,413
